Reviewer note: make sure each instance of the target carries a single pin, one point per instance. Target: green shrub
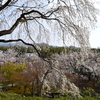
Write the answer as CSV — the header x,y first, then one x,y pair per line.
x,y
3,95
88,92
14,95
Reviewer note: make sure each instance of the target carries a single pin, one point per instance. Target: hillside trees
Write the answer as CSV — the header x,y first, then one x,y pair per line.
x,y
7,56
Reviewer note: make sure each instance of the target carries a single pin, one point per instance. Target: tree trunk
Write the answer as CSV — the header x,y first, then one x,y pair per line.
x,y
32,89
24,90
12,83
43,81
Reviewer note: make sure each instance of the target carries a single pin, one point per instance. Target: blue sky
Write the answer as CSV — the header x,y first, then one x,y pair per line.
x,y
95,34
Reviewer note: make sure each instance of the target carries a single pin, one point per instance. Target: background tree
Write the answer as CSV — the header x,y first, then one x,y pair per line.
x,y
31,78
10,69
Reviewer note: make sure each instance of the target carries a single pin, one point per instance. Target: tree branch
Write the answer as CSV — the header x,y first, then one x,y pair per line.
x,y
5,32
43,16
39,54
5,41
5,5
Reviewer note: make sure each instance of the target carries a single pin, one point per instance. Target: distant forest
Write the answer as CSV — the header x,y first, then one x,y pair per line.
x,y
46,50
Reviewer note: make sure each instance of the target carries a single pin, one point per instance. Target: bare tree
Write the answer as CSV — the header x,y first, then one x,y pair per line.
x,y
32,20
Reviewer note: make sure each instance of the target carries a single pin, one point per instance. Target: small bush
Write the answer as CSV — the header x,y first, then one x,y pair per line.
x,y
14,95
3,95
88,92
